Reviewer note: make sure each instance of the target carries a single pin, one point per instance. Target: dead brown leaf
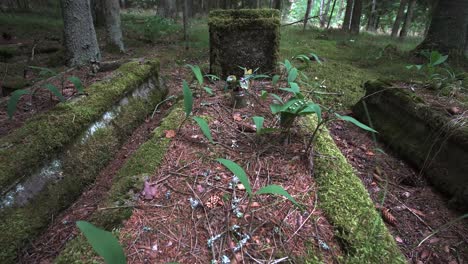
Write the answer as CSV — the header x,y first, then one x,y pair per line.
x,y
237,117
170,133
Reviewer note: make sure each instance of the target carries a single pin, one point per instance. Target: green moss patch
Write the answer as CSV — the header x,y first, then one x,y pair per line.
x,y
126,186
45,135
244,19
81,163
348,206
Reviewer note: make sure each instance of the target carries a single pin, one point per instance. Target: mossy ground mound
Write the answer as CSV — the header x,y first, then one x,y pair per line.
x,y
243,38
435,142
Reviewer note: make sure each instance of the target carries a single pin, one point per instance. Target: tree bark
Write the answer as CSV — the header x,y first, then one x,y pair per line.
x,y
341,10
80,40
466,43
371,22
277,4
348,15
448,29
321,15
331,14
356,18
185,22
113,29
408,19
323,18
399,17
307,13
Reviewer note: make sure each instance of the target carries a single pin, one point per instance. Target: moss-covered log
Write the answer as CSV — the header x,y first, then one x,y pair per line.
x,y
433,141
83,153
125,188
246,38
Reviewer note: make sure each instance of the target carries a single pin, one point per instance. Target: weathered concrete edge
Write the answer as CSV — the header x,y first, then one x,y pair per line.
x,y
43,136
82,163
125,188
347,204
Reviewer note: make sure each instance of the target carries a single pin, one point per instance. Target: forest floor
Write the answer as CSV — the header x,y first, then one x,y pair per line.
x,y
414,208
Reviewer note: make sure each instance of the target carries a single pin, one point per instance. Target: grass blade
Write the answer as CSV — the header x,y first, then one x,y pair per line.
x,y
188,99
277,190
13,101
103,242
204,128
77,83
355,122
55,91
238,171
258,121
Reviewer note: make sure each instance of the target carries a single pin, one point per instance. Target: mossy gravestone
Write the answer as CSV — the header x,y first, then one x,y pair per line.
x,y
243,38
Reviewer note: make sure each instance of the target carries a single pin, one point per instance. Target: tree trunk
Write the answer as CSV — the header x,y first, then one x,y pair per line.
x,y
399,17
185,21
448,30
98,12
307,13
80,41
321,15
113,29
323,18
408,19
372,17
466,43
277,4
331,14
340,10
347,18
356,18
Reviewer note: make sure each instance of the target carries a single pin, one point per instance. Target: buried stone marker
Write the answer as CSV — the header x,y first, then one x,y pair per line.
x,y
243,38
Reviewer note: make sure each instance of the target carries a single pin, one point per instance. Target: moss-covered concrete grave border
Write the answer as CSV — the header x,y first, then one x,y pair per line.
x,y
82,136
435,142
348,206
246,37
125,188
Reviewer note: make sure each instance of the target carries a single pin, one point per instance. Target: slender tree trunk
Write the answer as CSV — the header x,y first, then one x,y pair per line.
x,y
466,43
307,13
323,18
448,30
81,45
340,10
277,4
348,15
408,19
331,14
399,17
185,21
372,16
321,11
356,18
98,12
113,29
